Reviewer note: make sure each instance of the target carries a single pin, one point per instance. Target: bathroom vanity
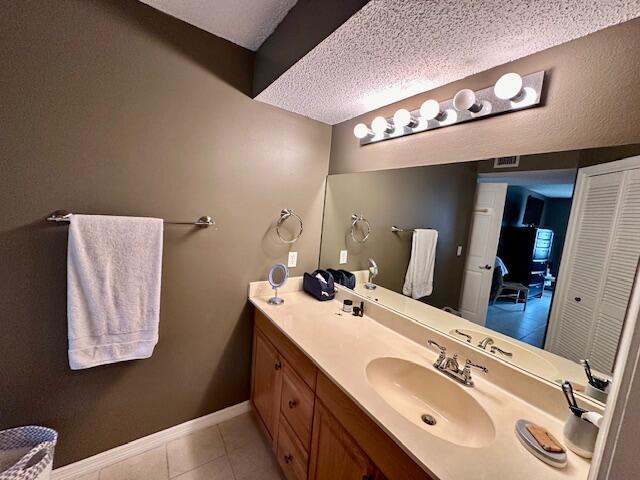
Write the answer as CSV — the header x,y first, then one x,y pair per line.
x,y
345,397
316,431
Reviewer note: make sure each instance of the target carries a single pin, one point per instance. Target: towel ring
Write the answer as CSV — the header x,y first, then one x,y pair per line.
x,y
355,218
284,214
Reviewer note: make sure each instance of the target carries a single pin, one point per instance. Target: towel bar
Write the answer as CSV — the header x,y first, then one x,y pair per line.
x,y
62,216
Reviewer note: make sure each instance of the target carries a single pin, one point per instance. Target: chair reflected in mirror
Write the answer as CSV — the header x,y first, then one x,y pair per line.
x,y
504,289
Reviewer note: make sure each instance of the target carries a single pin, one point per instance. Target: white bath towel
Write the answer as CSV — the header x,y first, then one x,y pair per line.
x,y
114,266
418,282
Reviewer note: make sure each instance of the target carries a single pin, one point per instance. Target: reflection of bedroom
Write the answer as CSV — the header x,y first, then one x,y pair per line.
x,y
534,225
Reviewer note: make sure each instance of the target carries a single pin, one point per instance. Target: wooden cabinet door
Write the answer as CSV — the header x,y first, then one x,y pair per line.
x,y
334,454
266,384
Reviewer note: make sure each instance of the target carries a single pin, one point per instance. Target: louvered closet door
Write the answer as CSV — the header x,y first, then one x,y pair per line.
x,y
588,257
618,278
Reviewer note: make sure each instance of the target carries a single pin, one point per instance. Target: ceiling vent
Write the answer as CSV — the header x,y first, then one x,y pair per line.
x,y
506,162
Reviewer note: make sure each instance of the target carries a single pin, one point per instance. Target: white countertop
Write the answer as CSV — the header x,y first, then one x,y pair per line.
x,y
342,345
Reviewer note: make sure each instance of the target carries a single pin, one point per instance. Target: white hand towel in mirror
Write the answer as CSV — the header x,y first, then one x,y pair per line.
x,y
418,281
114,265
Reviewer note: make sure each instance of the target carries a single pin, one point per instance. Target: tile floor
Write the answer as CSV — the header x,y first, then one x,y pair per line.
x,y
232,450
529,326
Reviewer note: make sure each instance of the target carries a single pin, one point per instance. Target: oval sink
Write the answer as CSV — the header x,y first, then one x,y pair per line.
x,y
522,356
432,401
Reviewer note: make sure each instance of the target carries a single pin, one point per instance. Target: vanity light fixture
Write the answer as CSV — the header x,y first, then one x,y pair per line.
x,y
403,118
510,93
380,126
509,87
466,99
430,110
362,131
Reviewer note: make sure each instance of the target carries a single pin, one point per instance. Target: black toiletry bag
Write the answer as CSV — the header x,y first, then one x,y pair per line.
x,y
343,277
315,287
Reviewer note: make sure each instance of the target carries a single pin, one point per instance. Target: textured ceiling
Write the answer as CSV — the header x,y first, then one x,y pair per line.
x,y
245,22
393,49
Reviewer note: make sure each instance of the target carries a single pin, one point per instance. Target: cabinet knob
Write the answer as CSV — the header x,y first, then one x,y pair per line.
x,y
578,299
293,403
278,365
288,458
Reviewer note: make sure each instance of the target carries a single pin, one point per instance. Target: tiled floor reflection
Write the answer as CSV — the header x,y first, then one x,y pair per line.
x,y
528,326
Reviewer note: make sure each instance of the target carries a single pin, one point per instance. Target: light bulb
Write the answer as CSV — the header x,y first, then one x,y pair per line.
x,y
361,131
450,117
466,100
430,110
403,118
526,98
380,126
508,87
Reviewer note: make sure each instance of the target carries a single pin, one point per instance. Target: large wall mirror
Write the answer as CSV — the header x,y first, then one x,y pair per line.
x,y
530,257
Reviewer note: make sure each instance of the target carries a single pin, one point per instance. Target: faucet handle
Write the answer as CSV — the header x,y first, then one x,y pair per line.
x,y
495,348
468,364
435,344
466,372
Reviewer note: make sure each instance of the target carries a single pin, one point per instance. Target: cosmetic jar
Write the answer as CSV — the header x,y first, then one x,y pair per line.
x,y
347,306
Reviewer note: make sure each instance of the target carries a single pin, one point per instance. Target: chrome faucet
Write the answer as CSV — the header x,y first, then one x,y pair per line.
x,y
450,366
485,342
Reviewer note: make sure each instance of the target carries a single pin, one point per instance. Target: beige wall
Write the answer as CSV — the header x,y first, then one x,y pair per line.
x,y
592,100
111,107
437,196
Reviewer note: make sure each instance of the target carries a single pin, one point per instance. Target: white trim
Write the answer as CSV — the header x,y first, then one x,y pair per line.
x,y
140,445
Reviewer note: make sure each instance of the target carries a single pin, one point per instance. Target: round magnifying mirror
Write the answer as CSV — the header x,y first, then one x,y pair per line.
x,y
278,275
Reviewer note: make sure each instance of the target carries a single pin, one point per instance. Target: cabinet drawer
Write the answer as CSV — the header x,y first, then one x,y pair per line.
x,y
541,253
544,234
543,244
292,457
297,405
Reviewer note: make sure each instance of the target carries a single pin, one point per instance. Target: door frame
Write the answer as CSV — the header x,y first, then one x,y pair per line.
x,y
584,173
620,419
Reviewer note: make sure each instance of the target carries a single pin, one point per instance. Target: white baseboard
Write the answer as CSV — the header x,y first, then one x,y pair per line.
x,y
135,447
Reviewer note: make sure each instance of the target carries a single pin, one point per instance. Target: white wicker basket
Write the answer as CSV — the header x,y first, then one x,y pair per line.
x,y
26,453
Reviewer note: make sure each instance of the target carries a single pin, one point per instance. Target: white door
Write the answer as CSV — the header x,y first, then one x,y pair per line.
x,y
599,264
483,246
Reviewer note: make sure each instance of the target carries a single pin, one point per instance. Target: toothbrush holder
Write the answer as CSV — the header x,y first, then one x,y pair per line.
x,y
595,393
580,435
